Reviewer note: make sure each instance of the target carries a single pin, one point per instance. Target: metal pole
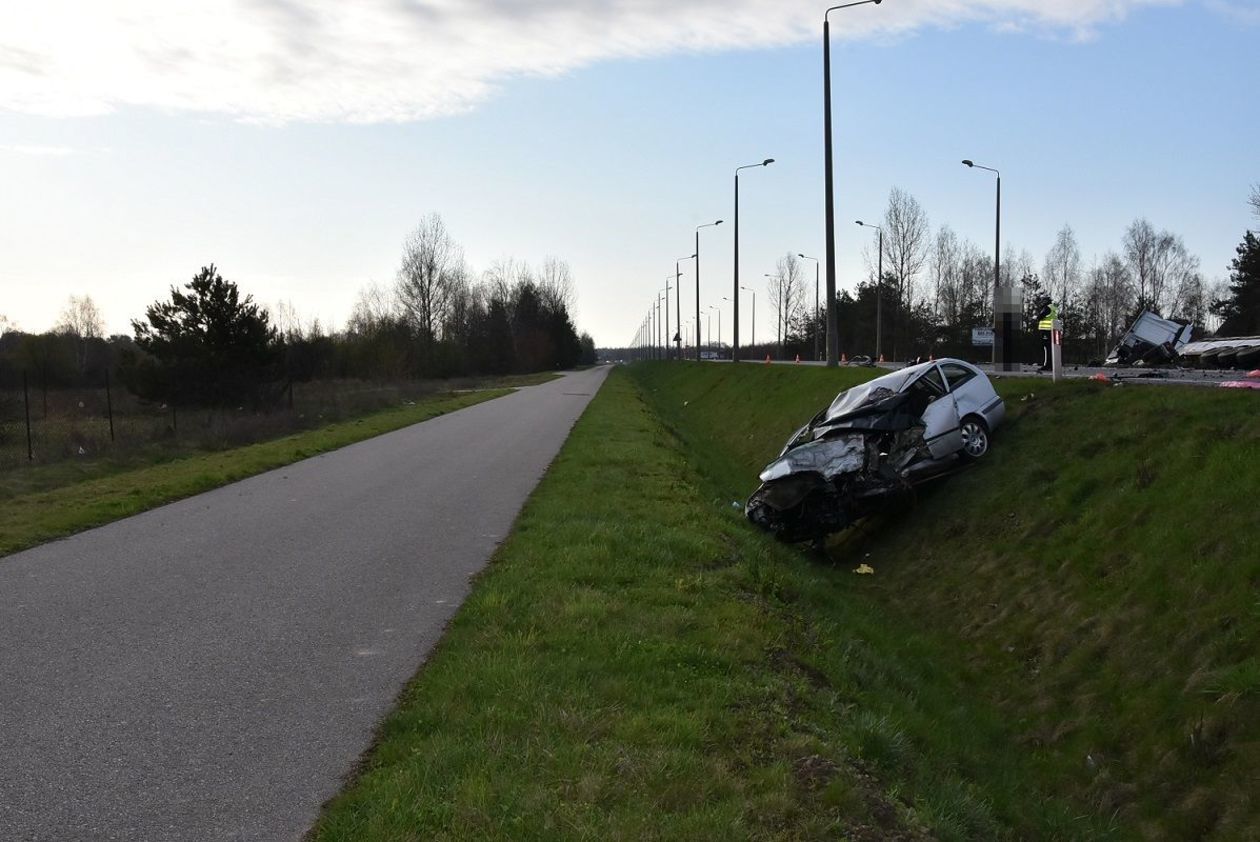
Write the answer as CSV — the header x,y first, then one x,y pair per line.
x,y
109,405
833,337
735,335
665,330
26,399
697,295
879,299
833,326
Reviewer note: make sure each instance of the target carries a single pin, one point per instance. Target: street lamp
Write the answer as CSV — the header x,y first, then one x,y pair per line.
x,y
735,336
833,336
662,328
710,225
678,303
1007,351
879,290
665,327
816,303
754,313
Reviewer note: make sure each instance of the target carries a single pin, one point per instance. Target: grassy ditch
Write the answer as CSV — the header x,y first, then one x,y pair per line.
x,y
71,498
637,663
1097,574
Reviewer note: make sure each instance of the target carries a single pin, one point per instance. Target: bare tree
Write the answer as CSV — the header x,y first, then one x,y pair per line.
x,y
906,240
1108,299
946,257
555,284
1062,270
906,245
786,294
6,325
1254,201
375,306
81,318
431,274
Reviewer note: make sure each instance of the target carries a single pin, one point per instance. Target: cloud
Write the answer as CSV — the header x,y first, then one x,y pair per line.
x,y
1247,15
37,151
370,61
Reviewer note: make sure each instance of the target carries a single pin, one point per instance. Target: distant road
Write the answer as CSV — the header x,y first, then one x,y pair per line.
x,y
1172,376
211,669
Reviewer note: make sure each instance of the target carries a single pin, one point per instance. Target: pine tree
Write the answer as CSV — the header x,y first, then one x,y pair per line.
x,y
1240,312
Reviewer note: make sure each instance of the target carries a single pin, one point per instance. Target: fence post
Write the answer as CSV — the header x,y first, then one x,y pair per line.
x,y
109,406
26,399
174,420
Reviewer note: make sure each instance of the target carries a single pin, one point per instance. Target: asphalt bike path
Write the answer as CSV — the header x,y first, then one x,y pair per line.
x,y
213,668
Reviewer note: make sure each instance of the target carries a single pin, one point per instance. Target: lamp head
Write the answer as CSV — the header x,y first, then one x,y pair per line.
x,y
719,222
860,222
767,162
970,163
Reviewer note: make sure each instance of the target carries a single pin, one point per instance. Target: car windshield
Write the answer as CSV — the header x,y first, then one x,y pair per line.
x,y
857,397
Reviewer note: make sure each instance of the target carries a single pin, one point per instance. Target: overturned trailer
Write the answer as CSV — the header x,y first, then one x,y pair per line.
x,y
873,442
1151,341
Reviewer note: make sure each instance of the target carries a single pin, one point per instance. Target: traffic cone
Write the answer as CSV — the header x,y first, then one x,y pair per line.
x,y
844,358
798,359
767,359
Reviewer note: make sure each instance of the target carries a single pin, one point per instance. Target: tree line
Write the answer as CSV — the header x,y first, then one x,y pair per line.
x,y
210,344
937,286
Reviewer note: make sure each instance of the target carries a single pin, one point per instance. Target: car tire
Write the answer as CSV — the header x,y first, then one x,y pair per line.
x,y
975,436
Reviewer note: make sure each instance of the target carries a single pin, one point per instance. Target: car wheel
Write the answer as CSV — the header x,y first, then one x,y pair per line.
x,y
975,438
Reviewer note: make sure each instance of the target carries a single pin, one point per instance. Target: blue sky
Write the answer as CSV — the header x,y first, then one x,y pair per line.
x,y
609,156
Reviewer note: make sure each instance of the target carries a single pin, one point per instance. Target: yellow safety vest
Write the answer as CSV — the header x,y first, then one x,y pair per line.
x,y
1048,322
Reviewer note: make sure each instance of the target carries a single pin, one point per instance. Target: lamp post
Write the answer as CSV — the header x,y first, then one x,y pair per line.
x,y
665,343
678,303
735,334
997,273
661,327
833,336
710,225
754,313
816,302
708,317
879,291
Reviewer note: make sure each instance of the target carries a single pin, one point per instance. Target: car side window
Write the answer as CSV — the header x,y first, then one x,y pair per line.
x,y
932,382
957,374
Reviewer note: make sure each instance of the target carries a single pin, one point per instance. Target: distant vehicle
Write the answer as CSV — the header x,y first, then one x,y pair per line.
x,y
1151,341
873,442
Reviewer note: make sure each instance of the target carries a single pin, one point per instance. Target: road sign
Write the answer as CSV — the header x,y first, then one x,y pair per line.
x,y
982,337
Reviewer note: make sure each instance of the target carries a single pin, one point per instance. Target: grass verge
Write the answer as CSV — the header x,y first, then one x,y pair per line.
x,y
27,519
637,663
1097,574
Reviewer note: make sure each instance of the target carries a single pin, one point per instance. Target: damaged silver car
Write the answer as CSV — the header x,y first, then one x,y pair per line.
x,y
873,442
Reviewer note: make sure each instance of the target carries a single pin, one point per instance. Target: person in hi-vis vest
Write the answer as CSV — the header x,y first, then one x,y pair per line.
x,y
1046,318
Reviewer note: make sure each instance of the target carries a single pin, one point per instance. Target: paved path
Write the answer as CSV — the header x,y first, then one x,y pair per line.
x,y
211,669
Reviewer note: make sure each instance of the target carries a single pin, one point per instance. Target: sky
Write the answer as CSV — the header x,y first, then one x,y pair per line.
x,y
295,143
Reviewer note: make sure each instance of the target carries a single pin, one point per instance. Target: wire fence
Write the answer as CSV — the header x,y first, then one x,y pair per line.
x,y
42,426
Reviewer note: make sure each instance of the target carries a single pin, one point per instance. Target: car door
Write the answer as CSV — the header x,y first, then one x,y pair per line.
x,y
971,392
940,418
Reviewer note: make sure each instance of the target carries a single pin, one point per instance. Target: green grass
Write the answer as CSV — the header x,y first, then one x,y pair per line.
x,y
57,500
1097,574
638,663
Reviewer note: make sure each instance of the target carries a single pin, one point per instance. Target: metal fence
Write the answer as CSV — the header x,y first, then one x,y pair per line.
x,y
40,426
